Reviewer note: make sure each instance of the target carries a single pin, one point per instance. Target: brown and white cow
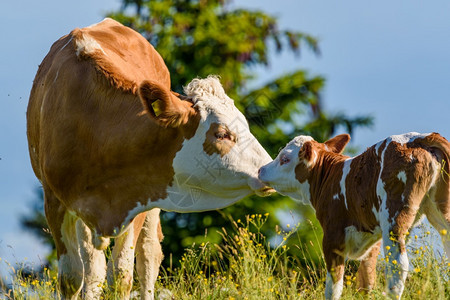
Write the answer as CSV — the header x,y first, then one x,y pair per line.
x,y
375,196
109,141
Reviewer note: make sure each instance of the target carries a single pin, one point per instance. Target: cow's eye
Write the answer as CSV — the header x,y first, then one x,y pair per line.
x,y
284,160
222,135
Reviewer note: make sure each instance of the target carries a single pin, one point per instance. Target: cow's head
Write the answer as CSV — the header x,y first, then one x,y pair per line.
x,y
218,162
290,172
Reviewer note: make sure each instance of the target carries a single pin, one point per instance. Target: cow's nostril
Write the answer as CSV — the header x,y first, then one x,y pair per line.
x,y
259,171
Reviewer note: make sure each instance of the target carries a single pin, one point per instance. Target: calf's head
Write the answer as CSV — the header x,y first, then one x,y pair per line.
x,y
291,171
219,160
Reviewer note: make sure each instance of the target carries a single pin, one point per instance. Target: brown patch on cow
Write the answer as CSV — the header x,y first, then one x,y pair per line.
x,y
172,111
367,271
417,159
338,143
54,212
126,58
420,161
89,144
219,139
439,147
360,190
305,155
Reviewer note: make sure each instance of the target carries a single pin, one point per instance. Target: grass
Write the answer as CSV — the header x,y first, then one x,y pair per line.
x,y
247,266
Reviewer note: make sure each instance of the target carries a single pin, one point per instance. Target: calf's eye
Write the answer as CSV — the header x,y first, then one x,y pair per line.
x,y
284,160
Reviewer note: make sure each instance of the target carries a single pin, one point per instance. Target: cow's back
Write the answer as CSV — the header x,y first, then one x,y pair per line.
x,y
85,126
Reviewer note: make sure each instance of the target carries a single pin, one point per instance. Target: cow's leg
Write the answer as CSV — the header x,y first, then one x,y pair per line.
x,y
149,254
334,283
94,263
62,225
366,275
121,264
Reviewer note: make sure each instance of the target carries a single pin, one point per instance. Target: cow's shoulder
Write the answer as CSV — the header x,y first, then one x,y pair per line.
x,y
120,54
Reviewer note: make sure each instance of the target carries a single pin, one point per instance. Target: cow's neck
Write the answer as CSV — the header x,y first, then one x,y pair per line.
x,y
322,174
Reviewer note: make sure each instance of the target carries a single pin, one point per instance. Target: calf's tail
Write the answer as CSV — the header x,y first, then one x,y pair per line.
x,y
440,148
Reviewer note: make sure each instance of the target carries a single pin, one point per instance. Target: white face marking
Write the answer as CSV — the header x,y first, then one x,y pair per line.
x,y
231,176
336,197
280,173
345,171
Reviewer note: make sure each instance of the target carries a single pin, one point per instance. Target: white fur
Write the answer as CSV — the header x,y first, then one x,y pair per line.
x,y
149,254
207,182
402,176
87,45
94,263
282,177
62,48
358,244
345,171
407,137
208,93
333,291
120,266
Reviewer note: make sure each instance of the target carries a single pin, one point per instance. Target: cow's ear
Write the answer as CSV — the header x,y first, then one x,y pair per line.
x,y
338,143
164,106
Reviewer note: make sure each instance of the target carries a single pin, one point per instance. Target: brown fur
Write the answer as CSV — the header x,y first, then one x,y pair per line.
x,y
416,159
220,146
79,125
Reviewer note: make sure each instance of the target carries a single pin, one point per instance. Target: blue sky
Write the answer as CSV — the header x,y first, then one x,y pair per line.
x,y
389,59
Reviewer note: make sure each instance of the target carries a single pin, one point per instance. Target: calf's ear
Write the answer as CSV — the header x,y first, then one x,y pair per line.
x,y
338,143
307,154
164,106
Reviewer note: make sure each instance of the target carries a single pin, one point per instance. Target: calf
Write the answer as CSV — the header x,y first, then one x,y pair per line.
x,y
375,196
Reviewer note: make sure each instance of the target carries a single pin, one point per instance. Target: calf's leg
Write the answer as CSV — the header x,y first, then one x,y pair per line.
x,y
367,272
440,222
334,283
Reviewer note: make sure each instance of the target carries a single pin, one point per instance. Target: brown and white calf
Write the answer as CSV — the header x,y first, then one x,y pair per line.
x,y
109,141
375,196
